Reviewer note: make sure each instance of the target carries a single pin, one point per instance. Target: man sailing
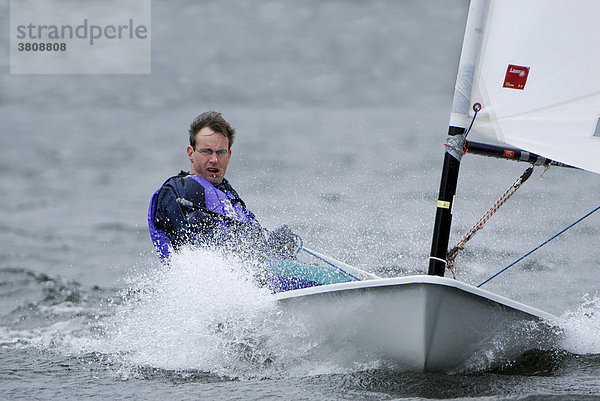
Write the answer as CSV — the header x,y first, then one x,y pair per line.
x,y
201,208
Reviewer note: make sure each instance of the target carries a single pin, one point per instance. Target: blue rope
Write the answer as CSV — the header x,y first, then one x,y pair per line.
x,y
538,247
476,108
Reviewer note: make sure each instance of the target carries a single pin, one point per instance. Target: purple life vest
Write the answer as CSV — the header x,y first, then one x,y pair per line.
x,y
161,242
220,202
215,201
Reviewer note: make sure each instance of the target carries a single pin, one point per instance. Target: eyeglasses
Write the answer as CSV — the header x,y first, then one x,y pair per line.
x,y
208,152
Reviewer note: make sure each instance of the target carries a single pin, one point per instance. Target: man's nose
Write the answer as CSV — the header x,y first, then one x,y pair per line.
x,y
213,157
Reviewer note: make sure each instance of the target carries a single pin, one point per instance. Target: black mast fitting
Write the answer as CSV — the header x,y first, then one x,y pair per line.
x,y
509,153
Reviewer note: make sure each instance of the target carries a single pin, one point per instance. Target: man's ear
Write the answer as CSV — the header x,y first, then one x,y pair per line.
x,y
190,152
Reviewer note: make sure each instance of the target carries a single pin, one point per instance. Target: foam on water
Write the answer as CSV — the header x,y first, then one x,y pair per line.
x,y
582,327
203,313
207,313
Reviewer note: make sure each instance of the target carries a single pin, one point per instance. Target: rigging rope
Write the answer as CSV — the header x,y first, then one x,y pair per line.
x,y
451,256
541,245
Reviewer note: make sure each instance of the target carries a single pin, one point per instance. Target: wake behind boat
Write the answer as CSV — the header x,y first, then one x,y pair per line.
x,y
520,82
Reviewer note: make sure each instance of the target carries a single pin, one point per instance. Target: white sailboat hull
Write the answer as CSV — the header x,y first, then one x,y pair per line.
x,y
422,323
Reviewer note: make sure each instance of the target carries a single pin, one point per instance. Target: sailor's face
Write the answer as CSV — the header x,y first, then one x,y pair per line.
x,y
211,156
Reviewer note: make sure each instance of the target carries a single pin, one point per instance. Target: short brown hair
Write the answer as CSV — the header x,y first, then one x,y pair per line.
x,y
214,121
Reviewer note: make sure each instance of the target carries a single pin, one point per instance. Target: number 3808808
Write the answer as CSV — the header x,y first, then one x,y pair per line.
x,y
42,47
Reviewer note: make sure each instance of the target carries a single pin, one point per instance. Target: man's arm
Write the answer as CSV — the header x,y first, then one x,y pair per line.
x,y
187,221
181,225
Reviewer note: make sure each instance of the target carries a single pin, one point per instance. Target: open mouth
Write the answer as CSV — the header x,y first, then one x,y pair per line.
x,y
213,170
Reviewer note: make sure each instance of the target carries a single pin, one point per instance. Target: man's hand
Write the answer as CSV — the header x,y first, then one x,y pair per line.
x,y
282,242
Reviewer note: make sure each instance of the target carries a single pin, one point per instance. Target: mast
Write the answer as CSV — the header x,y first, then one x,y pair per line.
x,y
443,216
459,118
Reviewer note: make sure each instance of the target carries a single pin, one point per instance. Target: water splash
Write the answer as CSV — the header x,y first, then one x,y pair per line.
x,y
205,316
581,327
204,313
209,313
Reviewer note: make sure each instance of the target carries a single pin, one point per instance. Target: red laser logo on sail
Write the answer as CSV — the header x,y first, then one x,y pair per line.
x,y
516,77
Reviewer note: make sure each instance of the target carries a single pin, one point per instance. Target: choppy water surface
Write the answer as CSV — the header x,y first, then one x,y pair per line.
x,y
341,110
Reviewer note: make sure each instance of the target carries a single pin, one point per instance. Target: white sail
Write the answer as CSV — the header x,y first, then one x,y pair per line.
x,y
534,66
